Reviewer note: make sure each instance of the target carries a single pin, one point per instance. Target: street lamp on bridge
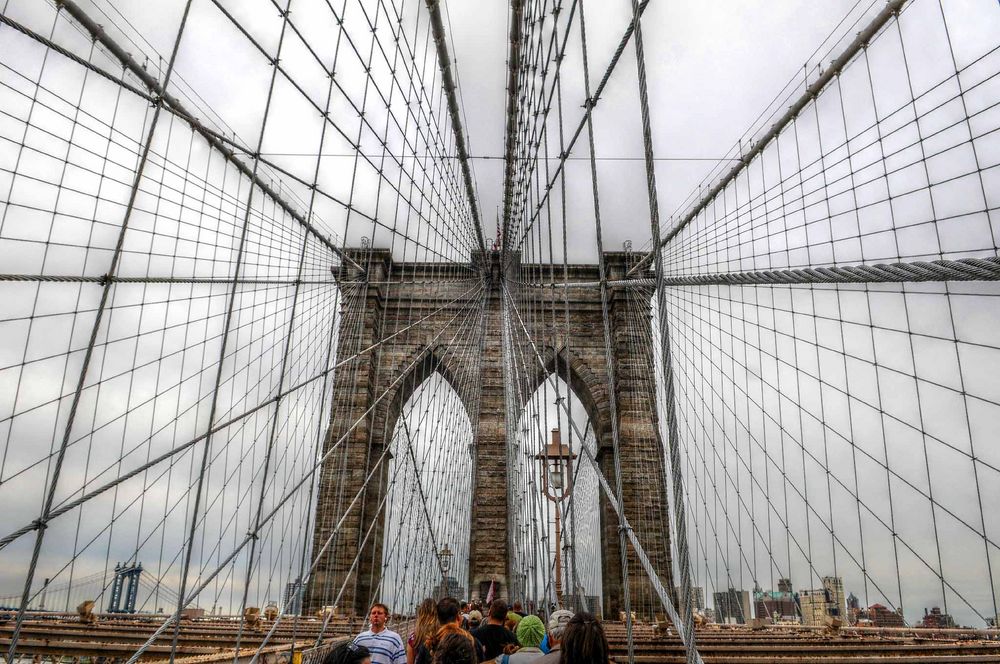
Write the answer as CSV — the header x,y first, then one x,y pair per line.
x,y
445,556
557,485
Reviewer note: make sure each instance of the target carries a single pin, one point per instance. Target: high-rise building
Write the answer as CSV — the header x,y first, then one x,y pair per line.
x,y
697,597
776,604
578,600
834,586
880,616
451,588
812,603
935,619
732,606
819,603
292,600
854,611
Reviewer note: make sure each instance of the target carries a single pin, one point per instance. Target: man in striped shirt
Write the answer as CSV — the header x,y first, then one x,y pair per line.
x,y
384,644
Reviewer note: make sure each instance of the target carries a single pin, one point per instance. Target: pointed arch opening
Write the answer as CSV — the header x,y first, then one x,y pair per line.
x,y
425,550
545,518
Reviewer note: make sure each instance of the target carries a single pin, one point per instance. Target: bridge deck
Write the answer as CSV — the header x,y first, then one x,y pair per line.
x,y
721,645
214,639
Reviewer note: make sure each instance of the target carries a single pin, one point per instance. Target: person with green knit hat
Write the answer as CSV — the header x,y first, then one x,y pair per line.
x,y
530,632
511,620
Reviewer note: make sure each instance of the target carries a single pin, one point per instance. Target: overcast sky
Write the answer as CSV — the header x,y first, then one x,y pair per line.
x,y
714,67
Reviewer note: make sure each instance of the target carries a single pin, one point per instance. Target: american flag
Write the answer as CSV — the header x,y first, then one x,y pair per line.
x,y
489,595
496,242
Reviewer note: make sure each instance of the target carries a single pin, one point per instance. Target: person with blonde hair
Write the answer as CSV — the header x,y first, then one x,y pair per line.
x,y
427,625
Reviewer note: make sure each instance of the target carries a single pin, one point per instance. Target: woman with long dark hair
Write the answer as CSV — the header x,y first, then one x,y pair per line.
x,y
455,648
584,641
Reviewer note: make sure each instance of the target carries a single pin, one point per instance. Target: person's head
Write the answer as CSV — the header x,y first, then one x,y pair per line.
x,y
378,615
518,608
443,632
427,620
449,610
530,632
348,653
512,620
475,618
557,625
498,611
584,641
455,648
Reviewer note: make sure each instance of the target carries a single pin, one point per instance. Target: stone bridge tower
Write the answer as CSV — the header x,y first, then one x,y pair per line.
x,y
428,339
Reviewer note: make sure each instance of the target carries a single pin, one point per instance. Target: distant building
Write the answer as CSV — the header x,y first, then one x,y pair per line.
x,y
292,600
451,588
934,619
732,607
776,604
818,604
582,602
880,616
834,586
812,603
697,596
854,611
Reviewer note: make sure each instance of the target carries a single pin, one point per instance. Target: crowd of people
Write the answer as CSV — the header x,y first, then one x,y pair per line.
x,y
447,632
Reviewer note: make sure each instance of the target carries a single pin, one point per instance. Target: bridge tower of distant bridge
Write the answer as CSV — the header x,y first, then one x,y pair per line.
x,y
124,588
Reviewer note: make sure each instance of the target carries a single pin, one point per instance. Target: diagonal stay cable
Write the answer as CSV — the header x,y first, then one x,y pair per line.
x,y
292,491
160,92
860,42
34,525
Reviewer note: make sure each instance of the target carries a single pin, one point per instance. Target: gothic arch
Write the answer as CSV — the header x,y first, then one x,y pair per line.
x,y
588,385
422,364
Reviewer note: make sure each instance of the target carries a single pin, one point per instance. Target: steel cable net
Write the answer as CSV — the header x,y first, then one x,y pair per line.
x,y
876,192
839,433
594,341
189,198
254,341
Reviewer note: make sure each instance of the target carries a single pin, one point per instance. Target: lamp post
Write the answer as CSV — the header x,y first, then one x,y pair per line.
x,y
557,474
445,557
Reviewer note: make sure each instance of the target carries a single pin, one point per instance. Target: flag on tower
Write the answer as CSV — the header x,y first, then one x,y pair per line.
x,y
496,242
